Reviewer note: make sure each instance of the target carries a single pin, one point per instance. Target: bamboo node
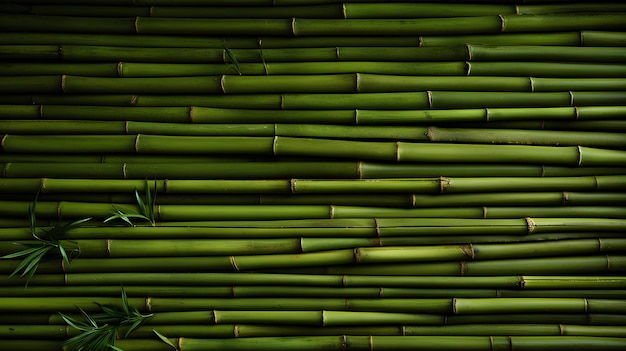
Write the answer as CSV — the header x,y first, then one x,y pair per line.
x,y
454,305
580,155
42,184
108,247
301,243
120,69
357,255
40,111
377,227
59,209
136,24
576,113
65,278
137,143
491,344
469,51
522,282
586,301
4,138
530,224
381,292
166,183
151,11
233,263
532,84
337,53
371,342
357,80
344,281
444,184
149,304
565,198
359,169
571,98
561,329
485,210
331,212
543,171
282,101
126,127
596,185
344,342
5,169
133,100
180,343
502,23
223,83
608,263
486,114
344,11
403,330
159,212
462,268
347,304
233,291
192,111
63,83
236,331
292,186
293,26
429,94
468,250
124,170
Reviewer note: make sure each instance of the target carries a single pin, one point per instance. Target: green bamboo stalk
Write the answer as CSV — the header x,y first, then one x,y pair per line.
x,y
389,68
89,11
545,53
532,305
259,330
557,22
598,294
31,345
546,266
568,8
602,38
79,69
503,136
63,304
547,69
368,83
613,331
416,10
33,332
312,11
519,199
485,329
545,38
488,184
66,24
532,318
47,38
114,291
421,152
217,26
399,54
147,70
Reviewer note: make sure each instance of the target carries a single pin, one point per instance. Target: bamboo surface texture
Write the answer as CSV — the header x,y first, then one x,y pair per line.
x,y
313,175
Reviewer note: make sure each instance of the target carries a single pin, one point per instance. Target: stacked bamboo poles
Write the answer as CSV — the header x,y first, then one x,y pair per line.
x,y
328,175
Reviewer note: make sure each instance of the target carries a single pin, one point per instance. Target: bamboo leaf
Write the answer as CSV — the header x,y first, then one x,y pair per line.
x,y
233,59
165,339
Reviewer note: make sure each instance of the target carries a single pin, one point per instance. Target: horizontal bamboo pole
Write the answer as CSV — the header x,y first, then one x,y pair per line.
x,y
400,343
200,115
530,266
342,77
548,69
417,10
545,53
585,37
371,101
301,147
333,186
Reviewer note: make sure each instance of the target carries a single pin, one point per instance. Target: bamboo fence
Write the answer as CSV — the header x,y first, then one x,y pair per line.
x,y
312,175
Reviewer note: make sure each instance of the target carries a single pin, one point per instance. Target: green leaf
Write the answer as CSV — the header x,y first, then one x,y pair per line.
x,y
125,303
231,56
165,339
22,253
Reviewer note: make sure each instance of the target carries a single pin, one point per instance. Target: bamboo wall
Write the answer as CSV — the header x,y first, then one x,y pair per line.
x,y
326,175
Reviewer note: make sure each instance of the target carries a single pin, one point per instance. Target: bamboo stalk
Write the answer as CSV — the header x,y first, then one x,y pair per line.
x,y
544,38
413,10
602,38
546,53
548,69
